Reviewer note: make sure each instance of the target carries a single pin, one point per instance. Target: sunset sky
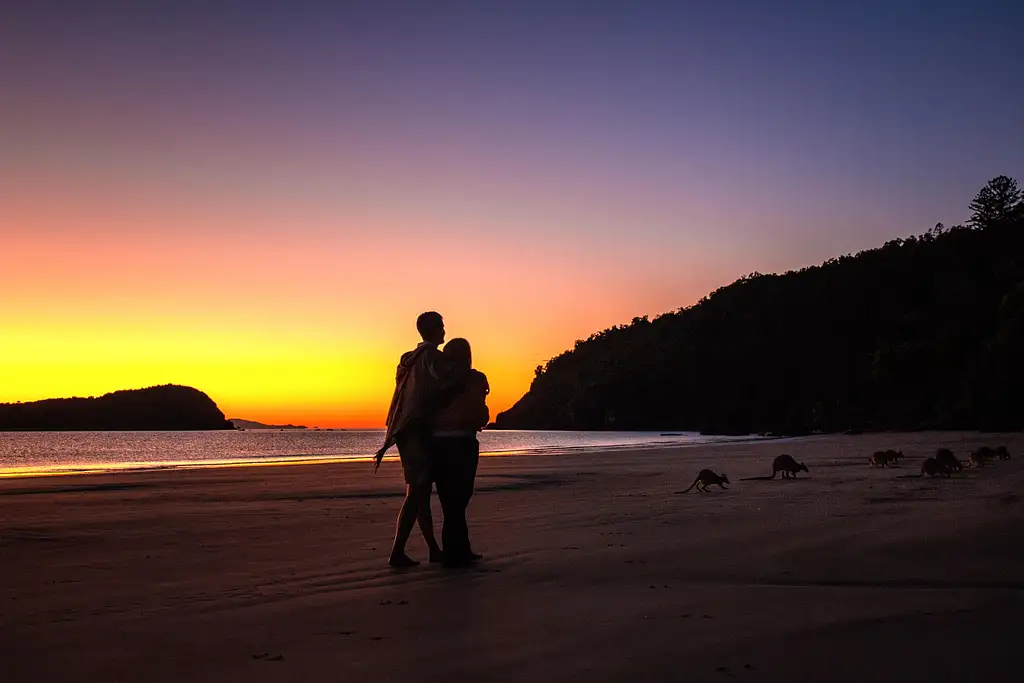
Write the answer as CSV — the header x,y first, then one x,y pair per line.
x,y
256,199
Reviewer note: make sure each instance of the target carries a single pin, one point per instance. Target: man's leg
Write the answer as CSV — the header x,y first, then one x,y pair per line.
x,y
416,469
416,497
426,521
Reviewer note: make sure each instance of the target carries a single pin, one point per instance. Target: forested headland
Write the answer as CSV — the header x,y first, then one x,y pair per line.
x,y
166,407
925,332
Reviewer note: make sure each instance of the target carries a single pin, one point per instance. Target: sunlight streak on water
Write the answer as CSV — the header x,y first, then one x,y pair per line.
x,y
37,453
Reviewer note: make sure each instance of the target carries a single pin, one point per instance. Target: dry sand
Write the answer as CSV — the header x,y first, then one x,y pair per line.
x,y
594,571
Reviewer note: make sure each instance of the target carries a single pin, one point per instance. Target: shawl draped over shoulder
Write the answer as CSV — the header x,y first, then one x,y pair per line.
x,y
422,374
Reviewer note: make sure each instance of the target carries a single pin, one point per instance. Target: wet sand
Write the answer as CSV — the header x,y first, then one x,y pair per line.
x,y
595,570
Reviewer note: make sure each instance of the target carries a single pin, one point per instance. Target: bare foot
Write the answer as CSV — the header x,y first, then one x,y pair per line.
x,y
402,561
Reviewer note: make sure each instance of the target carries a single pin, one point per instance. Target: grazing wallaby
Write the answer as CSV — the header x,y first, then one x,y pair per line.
x,y
893,456
950,462
879,459
1002,453
705,479
931,467
788,466
980,457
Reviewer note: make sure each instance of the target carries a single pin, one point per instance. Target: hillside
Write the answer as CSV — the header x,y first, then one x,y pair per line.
x,y
167,407
924,332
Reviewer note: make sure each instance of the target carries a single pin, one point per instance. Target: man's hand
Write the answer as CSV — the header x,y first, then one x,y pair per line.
x,y
378,456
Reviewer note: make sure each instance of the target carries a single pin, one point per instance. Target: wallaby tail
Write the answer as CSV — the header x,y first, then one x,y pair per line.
x,y
758,478
691,486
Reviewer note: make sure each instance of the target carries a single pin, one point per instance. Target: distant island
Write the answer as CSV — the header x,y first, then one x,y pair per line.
x,y
167,407
250,424
922,333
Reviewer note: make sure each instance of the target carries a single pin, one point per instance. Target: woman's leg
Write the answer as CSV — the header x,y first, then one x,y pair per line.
x,y
460,451
447,493
469,483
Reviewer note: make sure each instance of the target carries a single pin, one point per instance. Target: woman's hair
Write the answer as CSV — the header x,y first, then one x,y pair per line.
x,y
457,350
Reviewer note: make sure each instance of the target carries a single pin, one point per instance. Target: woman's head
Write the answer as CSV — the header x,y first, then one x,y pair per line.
x,y
458,352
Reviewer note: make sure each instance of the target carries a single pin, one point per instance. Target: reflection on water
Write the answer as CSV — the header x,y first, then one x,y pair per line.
x,y
23,453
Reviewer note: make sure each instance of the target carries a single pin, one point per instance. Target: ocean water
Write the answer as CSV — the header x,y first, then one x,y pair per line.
x,y
23,453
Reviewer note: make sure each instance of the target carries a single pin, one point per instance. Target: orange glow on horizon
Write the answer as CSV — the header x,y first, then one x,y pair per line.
x,y
291,308
264,379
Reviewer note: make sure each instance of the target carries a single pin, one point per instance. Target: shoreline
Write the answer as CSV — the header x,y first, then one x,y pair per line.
x,y
116,469
285,461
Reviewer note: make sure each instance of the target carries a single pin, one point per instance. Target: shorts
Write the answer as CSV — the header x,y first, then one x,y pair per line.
x,y
414,452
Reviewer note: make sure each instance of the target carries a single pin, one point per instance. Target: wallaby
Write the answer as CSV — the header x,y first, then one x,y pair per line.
x,y
950,462
931,467
879,459
1002,453
893,456
980,457
788,466
705,479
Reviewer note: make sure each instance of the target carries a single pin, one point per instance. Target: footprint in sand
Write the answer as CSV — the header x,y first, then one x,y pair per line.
x,y
403,602
385,602
268,657
376,637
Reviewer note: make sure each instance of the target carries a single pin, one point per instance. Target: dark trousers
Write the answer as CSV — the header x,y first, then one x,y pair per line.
x,y
455,462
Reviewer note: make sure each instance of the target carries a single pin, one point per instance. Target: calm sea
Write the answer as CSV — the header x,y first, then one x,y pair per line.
x,y
64,452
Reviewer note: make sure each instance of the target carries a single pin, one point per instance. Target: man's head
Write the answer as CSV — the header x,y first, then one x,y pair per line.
x,y
431,327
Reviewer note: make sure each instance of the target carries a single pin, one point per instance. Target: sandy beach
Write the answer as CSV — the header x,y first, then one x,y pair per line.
x,y
594,571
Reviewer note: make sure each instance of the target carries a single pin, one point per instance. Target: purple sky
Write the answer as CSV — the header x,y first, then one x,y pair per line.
x,y
826,125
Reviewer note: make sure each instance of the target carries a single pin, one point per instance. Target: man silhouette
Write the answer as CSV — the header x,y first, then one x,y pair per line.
x,y
422,374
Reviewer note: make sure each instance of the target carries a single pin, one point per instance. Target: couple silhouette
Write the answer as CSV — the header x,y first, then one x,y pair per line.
x,y
439,405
